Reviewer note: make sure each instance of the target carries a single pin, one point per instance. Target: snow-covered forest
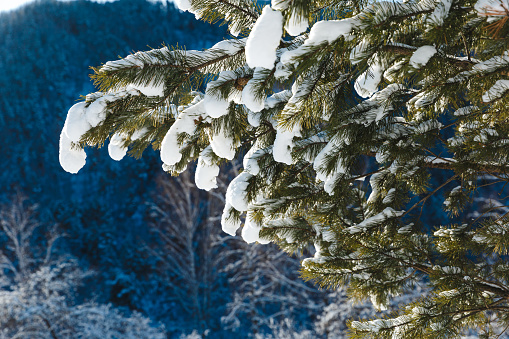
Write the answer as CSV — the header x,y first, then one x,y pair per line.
x,y
306,169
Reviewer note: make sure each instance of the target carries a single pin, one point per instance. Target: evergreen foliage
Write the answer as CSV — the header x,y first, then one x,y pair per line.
x,y
105,211
362,120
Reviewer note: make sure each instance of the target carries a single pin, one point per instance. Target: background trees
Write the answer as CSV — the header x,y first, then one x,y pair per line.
x,y
104,214
186,248
38,292
221,282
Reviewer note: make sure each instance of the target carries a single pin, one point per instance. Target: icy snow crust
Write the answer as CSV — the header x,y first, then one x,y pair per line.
x,y
386,214
487,66
165,56
440,13
321,173
150,89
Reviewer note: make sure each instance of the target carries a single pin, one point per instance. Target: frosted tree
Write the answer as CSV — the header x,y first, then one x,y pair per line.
x,y
194,258
266,290
38,288
185,223
351,117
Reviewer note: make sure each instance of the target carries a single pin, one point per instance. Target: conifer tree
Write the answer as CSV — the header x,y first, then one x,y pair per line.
x,y
351,117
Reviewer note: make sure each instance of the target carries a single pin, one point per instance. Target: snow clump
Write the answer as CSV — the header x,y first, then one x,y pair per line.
x,y
76,124
229,225
493,9
96,111
183,5
185,123
214,105
296,24
236,192
206,171
116,148
283,145
79,120
254,102
71,159
223,145
264,39
496,91
251,231
367,83
421,56
323,31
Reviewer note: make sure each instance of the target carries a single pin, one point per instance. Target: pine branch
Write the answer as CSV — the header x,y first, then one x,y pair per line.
x,y
238,8
400,49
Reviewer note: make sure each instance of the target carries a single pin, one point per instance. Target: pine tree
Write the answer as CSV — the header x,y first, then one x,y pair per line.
x,y
358,122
